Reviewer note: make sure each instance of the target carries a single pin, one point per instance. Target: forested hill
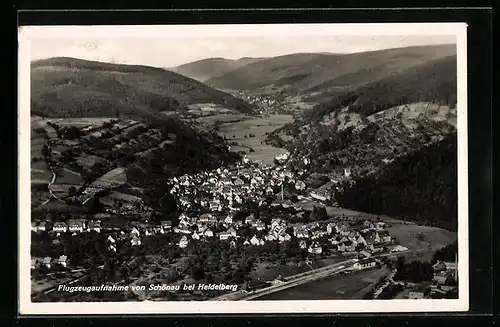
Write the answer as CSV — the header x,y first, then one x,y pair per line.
x,y
69,87
421,186
434,81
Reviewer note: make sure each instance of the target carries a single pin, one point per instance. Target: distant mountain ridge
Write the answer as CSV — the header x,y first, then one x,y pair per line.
x,y
307,73
62,87
206,69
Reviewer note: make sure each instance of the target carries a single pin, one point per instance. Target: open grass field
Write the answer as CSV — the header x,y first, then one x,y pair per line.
x,y
236,131
66,176
88,161
425,240
112,178
341,287
118,196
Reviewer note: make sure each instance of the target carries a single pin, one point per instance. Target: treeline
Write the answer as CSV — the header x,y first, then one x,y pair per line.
x,y
421,186
434,81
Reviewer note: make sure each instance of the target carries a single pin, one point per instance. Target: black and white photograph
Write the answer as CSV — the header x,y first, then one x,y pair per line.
x,y
243,168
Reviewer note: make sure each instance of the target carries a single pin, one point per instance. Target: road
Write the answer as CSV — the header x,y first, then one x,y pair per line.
x,y
295,280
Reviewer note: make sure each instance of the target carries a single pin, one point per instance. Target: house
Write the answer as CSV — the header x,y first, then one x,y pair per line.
x,y
76,225
398,248
63,261
347,172
246,242
208,233
42,227
300,185
238,182
364,264
350,246
215,205
47,262
385,237
450,265
270,237
224,236
60,227
440,278
259,225
232,244
134,232
254,240
315,248
302,244
301,233
195,236
332,228
232,232
183,242
361,240
284,237
135,240
380,225
228,220
165,226
205,218
250,219
341,247
95,226
276,222
320,195
35,262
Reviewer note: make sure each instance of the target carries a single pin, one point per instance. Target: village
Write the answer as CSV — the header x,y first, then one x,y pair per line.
x,y
217,205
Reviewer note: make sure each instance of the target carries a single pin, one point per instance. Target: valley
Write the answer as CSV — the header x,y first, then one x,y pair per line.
x,y
248,172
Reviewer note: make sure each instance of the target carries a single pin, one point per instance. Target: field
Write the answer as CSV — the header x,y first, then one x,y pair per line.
x,y
118,196
112,178
425,240
264,153
66,176
341,287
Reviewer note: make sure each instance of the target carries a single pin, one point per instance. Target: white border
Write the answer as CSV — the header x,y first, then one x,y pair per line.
x,y
26,307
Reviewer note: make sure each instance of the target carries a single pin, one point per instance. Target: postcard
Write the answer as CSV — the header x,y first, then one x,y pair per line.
x,y
278,168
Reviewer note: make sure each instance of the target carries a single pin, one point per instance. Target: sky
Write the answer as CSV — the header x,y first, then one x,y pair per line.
x,y
173,50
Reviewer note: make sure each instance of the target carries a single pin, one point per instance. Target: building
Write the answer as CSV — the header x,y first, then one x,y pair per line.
x,y
76,225
228,220
135,240
47,262
94,226
60,227
224,236
165,226
254,240
300,185
364,264
315,248
183,242
63,261
385,237
135,232
232,232
284,237
270,237
208,233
